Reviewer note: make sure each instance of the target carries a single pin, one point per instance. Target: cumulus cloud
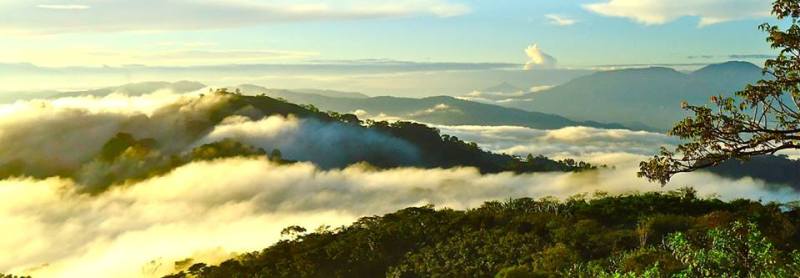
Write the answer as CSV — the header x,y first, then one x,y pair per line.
x,y
709,12
538,59
153,15
560,20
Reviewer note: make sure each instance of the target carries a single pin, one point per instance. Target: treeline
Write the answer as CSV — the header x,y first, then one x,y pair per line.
x,y
12,276
673,234
445,151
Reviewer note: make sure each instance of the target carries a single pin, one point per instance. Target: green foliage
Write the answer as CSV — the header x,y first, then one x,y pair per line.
x,y
739,250
126,159
12,276
762,119
480,253
577,237
225,148
125,142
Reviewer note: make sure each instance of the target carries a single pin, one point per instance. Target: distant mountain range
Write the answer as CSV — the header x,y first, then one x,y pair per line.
x,y
443,110
132,89
137,89
646,99
636,97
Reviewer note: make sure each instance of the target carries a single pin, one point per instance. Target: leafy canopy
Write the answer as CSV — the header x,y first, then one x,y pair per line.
x,y
762,119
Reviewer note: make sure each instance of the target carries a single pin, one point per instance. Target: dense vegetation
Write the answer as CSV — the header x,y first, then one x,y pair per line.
x,y
650,235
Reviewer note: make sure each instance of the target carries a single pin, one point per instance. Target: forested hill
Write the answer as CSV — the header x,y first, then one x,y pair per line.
x,y
438,150
149,146
649,235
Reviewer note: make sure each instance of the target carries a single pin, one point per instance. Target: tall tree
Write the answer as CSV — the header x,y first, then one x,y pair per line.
x,y
764,118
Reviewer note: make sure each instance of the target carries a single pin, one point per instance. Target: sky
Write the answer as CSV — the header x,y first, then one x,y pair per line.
x,y
533,33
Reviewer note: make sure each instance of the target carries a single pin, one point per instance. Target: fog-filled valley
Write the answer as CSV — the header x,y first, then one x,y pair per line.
x,y
399,138
136,182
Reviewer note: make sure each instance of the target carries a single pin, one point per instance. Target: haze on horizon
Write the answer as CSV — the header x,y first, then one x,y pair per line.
x,y
374,47
143,138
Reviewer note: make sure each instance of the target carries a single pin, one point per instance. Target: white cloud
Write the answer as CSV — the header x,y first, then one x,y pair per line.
x,y
83,124
538,59
568,142
560,20
208,210
20,16
307,139
439,108
652,12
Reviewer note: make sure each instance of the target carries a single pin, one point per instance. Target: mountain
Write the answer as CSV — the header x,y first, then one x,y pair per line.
x,y
137,89
504,87
329,140
728,76
649,96
12,97
332,93
775,170
131,89
443,110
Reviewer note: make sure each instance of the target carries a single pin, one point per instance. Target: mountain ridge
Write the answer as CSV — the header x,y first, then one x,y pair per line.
x,y
652,94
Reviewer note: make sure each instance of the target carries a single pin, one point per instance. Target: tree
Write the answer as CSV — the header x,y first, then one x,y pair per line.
x,y
276,155
762,119
739,250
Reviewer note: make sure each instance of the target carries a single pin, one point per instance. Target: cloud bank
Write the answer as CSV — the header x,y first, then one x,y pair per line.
x,y
64,135
326,144
209,210
654,12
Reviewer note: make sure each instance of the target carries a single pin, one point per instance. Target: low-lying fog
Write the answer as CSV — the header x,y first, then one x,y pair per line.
x,y
210,210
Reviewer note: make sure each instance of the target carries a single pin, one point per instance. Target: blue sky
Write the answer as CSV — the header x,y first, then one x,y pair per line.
x,y
571,34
